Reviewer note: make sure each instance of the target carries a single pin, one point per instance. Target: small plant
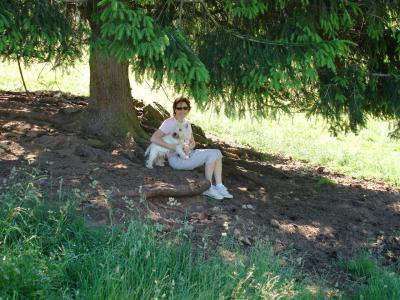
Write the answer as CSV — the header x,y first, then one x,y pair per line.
x,y
248,206
142,194
173,202
361,267
159,227
93,182
324,181
305,171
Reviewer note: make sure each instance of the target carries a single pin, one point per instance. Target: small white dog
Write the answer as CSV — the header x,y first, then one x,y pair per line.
x,y
157,153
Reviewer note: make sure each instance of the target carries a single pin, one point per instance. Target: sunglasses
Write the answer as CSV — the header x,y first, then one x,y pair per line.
x,y
182,108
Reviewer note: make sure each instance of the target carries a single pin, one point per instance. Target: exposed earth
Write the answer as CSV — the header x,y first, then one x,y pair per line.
x,y
314,215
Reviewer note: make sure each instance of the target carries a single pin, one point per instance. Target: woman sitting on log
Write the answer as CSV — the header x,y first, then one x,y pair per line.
x,y
211,158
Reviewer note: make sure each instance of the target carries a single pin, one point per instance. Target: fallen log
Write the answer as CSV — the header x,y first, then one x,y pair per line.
x,y
164,189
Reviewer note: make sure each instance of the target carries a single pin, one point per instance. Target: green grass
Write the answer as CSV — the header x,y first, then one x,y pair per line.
x,y
325,181
378,283
371,154
51,253
41,77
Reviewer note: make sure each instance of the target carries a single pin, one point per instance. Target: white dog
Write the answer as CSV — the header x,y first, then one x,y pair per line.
x,y
157,153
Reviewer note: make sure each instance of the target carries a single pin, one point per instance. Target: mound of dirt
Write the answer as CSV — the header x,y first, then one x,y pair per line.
x,y
320,221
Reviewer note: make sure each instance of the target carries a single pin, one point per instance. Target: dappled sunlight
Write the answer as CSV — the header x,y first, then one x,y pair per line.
x,y
227,255
32,156
10,150
191,180
395,207
309,232
154,215
18,127
161,184
118,166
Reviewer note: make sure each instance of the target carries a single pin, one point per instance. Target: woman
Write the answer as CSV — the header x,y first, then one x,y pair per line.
x,y
211,158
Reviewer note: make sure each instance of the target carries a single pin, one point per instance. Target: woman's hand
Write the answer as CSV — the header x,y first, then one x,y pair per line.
x,y
186,148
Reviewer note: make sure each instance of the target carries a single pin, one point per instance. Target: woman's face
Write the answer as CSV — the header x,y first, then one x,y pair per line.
x,y
182,109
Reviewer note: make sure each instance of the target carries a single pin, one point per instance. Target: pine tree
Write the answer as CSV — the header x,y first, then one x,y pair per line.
x,y
337,59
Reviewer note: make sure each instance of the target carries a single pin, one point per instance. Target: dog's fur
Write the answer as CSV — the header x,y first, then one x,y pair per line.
x,y
157,153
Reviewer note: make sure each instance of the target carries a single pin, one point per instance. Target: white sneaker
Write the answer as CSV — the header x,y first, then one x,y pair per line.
x,y
213,193
223,191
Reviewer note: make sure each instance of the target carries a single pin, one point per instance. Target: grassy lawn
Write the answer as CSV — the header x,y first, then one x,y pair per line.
x,y
371,154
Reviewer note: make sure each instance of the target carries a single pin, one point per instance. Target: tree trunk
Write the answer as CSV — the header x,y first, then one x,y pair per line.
x,y
111,113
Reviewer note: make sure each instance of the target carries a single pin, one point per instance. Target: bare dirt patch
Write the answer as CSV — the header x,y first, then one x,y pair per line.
x,y
319,215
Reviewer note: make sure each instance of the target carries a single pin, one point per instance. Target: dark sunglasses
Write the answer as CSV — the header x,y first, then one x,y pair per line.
x,y
182,108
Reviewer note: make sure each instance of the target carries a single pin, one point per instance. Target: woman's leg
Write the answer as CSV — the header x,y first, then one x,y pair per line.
x,y
218,171
209,170
212,158
214,168
198,158
221,189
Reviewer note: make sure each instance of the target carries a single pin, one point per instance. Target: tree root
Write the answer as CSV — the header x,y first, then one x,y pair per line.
x,y
232,168
163,189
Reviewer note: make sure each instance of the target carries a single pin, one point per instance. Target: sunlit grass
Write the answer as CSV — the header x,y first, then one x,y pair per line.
x,y
41,77
370,154
74,79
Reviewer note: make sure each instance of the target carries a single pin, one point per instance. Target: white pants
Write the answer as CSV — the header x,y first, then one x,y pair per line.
x,y
198,158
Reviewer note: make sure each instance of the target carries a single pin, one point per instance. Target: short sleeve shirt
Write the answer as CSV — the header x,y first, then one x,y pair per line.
x,y
171,125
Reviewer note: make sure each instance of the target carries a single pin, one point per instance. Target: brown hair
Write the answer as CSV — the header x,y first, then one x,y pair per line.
x,y
179,100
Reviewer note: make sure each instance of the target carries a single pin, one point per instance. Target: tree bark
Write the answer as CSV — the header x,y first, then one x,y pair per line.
x,y
163,189
111,113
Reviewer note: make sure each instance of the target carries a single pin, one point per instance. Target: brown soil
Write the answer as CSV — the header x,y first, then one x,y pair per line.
x,y
318,221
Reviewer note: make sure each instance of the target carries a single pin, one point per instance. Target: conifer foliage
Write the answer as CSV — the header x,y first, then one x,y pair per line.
x,y
338,59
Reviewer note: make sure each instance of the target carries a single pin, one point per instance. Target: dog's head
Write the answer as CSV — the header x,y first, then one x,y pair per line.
x,y
177,136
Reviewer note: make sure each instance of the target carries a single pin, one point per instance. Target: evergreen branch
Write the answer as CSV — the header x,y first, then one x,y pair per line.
x,y
246,37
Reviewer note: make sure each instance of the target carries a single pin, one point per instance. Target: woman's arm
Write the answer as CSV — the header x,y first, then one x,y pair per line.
x,y
156,138
192,143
